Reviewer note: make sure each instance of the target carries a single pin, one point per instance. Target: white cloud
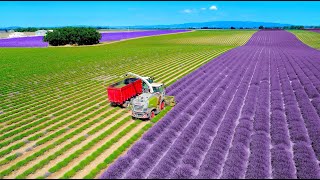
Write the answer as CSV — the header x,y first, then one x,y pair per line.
x,y
214,8
187,11
203,9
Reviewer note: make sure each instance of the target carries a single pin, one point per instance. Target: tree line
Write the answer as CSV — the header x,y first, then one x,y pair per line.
x,y
28,29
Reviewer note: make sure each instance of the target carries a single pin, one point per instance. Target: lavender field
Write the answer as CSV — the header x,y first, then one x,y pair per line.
x,y
36,41
253,112
315,30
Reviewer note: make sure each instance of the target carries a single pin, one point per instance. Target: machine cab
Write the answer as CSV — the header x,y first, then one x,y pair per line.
x,y
144,85
158,87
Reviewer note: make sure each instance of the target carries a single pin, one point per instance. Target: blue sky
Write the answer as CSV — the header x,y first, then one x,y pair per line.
x,y
115,13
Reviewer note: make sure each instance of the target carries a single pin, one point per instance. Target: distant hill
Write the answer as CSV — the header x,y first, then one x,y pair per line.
x,y
213,24
11,27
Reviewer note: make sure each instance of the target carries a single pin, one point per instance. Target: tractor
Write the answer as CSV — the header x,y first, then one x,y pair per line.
x,y
146,97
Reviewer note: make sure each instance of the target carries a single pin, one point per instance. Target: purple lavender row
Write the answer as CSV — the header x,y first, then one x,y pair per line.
x,y
281,153
217,131
256,117
37,41
236,161
304,92
259,159
194,128
304,156
315,30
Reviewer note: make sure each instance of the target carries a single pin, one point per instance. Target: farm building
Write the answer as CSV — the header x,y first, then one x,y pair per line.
x,y
16,34
41,32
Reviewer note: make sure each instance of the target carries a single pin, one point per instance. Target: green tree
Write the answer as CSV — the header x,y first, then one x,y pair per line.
x,y
73,36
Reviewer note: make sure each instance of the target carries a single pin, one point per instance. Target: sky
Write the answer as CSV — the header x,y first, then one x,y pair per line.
x,y
128,13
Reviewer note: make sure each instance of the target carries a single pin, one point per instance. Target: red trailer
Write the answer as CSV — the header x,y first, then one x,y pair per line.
x,y
121,92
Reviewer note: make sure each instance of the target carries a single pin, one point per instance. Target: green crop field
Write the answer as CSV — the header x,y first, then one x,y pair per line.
x,y
308,37
55,118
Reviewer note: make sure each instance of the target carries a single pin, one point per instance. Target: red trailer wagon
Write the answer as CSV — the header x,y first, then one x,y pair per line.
x,y
120,93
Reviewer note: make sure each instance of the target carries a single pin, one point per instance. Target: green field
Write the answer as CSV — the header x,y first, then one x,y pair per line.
x,y
310,38
55,119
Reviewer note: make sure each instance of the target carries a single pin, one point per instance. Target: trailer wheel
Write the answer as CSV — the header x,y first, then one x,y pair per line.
x,y
162,105
152,115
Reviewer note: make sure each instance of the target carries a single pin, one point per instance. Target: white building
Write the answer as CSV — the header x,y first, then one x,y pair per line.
x,y
41,32
16,34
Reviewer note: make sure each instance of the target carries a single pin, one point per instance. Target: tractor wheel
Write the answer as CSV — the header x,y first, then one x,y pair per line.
x,y
162,105
152,115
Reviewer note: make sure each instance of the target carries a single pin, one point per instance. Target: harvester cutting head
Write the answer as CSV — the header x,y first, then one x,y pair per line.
x,y
170,101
